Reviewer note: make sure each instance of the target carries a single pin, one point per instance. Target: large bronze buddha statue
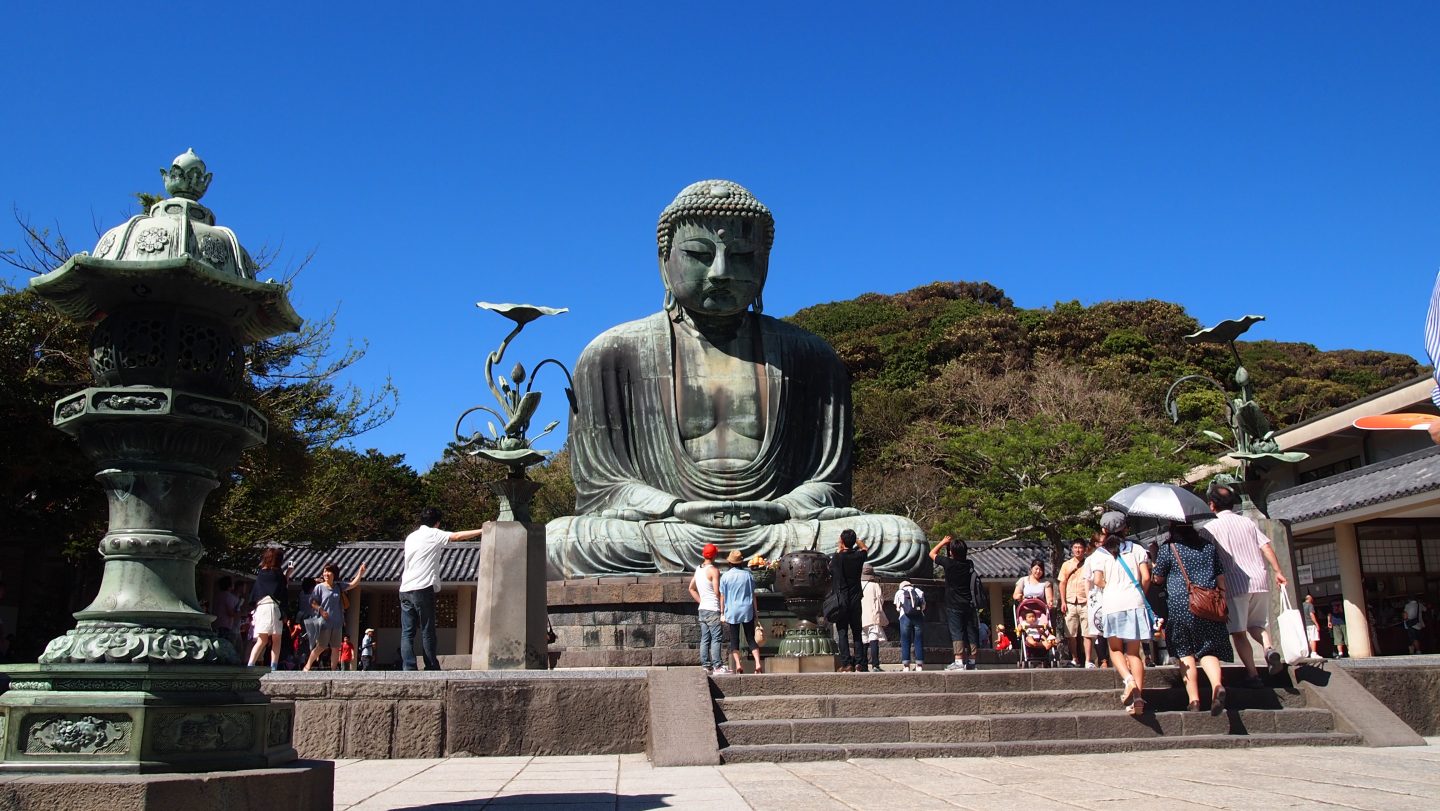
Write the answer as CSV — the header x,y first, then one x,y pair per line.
x,y
709,422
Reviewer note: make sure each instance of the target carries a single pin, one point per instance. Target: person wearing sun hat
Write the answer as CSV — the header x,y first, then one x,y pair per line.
x,y
367,649
705,588
737,594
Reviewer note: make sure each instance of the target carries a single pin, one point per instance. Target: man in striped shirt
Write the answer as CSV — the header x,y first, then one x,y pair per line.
x,y
1245,552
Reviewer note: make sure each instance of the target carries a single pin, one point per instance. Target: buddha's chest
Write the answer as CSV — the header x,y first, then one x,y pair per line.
x,y
720,405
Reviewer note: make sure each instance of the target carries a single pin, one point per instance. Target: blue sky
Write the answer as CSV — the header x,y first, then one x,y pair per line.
x,y
1281,157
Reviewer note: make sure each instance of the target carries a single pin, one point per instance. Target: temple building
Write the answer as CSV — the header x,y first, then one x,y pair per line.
x,y
1364,516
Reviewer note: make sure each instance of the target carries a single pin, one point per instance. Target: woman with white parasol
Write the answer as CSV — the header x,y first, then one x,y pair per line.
x,y
1168,502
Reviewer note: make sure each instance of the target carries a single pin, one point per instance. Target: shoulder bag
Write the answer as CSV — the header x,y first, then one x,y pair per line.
x,y
1205,604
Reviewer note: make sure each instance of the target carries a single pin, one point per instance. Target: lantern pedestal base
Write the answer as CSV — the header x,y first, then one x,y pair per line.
x,y
131,719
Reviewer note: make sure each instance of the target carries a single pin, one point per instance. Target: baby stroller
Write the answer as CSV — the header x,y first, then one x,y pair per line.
x,y
1038,644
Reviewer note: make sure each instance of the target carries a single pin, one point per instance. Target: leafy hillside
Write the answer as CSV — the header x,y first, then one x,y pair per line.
x,y
977,417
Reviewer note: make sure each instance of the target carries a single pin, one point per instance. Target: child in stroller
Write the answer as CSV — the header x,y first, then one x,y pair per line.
x,y
1039,644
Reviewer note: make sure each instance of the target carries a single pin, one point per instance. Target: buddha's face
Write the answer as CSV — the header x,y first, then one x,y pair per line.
x,y
716,265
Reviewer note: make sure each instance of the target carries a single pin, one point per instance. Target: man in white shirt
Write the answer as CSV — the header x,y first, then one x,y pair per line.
x,y
1244,553
418,584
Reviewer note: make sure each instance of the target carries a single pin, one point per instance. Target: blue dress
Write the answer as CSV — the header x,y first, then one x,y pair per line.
x,y
1186,634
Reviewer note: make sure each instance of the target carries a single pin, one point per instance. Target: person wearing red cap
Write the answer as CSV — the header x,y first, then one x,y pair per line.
x,y
705,588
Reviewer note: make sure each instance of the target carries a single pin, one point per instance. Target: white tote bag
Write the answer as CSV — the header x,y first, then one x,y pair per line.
x,y
1292,631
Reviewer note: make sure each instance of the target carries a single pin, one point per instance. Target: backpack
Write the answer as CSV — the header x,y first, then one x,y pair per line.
x,y
908,604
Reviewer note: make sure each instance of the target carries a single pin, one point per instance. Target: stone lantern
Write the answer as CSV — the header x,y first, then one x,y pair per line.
x,y
142,683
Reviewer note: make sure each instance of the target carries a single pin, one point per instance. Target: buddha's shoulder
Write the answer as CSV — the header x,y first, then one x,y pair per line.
x,y
797,336
789,330
629,333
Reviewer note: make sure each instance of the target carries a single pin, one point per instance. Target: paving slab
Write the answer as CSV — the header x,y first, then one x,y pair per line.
x,y
1266,778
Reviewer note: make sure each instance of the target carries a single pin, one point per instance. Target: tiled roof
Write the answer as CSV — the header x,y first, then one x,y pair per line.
x,y
1009,560
1413,473
460,562
384,560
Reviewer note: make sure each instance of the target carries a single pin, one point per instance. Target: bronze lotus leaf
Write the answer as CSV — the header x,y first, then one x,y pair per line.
x,y
1225,331
521,313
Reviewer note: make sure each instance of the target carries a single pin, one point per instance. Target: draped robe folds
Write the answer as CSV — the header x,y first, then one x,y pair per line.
x,y
630,464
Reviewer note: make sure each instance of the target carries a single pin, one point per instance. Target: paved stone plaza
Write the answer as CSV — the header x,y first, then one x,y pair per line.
x,y
1279,777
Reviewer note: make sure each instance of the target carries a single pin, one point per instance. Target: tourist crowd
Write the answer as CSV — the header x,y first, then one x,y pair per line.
x,y
1196,595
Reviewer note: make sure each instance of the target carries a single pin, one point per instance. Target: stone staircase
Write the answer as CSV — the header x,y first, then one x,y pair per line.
x,y
837,716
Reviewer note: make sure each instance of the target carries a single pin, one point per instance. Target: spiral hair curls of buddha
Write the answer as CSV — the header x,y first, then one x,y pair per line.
x,y
714,198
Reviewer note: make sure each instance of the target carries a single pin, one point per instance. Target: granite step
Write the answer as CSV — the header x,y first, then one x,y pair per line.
x,y
757,708
782,753
942,681
1049,726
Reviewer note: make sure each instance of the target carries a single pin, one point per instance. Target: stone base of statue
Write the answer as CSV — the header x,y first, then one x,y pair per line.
x,y
510,599
640,621
137,718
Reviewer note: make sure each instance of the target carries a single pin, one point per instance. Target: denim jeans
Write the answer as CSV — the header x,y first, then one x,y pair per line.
x,y
417,607
912,637
710,628
964,628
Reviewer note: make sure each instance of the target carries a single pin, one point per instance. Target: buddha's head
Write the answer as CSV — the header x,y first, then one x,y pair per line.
x,y
714,241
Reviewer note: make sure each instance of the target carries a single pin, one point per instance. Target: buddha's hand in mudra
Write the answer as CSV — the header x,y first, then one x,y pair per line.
x,y
625,515
731,514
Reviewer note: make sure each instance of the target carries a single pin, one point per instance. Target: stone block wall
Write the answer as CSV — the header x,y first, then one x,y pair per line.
x,y
1411,690
391,714
651,621
623,621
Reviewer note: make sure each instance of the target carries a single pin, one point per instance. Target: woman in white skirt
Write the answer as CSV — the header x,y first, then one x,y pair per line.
x,y
1121,570
268,595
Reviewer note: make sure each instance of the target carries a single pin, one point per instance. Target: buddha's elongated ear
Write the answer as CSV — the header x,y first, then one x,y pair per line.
x,y
670,305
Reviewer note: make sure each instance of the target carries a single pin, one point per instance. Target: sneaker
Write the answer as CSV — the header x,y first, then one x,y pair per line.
x,y
955,666
1272,658
720,671
970,665
904,667
1091,666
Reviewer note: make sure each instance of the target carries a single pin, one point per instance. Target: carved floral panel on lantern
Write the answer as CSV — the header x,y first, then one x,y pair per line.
x,y
280,725
214,249
203,732
153,240
87,734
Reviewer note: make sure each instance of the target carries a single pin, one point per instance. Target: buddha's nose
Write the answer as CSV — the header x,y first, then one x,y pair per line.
x,y
719,270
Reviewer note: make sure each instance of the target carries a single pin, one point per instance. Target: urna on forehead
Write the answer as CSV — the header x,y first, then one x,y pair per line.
x,y
715,198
